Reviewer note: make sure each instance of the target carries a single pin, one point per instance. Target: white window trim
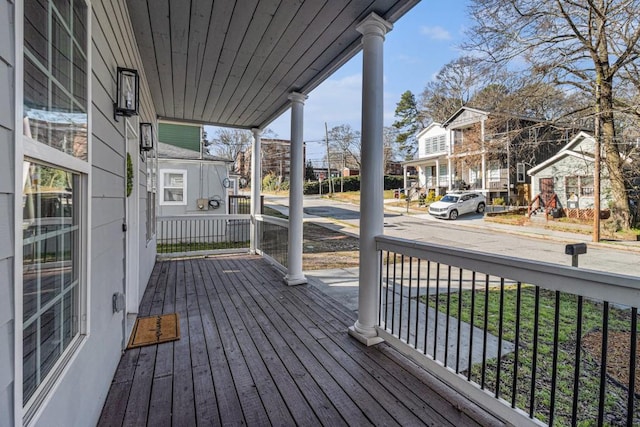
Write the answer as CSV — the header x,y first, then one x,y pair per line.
x,y
164,202
26,147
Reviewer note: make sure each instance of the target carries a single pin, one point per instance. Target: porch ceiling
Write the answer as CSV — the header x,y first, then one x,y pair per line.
x,y
234,63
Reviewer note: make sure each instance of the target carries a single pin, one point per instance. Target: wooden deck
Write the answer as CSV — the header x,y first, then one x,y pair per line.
x,y
256,352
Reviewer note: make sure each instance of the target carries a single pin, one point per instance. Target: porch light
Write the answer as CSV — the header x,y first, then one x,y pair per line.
x,y
127,93
146,137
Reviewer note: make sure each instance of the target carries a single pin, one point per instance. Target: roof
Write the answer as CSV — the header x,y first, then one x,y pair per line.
x,y
462,110
567,150
168,151
234,64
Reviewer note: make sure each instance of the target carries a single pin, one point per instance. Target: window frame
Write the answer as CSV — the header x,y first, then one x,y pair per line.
x,y
28,149
164,202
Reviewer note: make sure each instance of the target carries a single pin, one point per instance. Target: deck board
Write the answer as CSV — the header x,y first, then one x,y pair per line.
x,y
254,351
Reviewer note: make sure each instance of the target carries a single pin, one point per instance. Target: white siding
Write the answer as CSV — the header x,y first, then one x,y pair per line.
x,y
7,118
79,396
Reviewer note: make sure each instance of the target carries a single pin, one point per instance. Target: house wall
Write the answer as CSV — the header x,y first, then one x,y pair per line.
x,y
7,185
78,397
211,185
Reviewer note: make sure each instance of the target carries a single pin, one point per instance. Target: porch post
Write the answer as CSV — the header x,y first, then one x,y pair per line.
x,y
256,187
373,30
294,271
404,174
437,176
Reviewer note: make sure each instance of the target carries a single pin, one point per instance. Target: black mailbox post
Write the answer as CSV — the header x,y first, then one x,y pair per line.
x,y
574,250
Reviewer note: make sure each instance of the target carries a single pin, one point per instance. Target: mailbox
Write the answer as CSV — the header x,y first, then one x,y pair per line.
x,y
576,249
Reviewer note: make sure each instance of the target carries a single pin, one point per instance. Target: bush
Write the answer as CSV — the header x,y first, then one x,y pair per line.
x,y
498,201
350,183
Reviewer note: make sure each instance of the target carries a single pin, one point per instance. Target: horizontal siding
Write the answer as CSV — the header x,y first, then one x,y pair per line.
x,y
80,394
6,32
7,105
6,161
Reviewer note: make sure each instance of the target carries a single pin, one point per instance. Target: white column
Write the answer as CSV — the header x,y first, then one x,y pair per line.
x,y
294,272
256,187
484,159
437,176
373,30
404,174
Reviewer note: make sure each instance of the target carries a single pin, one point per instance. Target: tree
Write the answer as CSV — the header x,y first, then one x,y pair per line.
x,y
455,85
344,146
228,143
409,121
584,45
309,174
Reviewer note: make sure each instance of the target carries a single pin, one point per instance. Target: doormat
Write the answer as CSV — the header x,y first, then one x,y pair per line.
x,y
155,330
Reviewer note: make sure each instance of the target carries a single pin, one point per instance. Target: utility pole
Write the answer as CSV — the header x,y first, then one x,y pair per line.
x,y
326,133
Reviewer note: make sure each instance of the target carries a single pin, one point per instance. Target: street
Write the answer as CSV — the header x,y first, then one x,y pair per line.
x,y
473,233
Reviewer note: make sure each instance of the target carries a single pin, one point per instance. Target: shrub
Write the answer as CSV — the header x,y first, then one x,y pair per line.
x,y
498,201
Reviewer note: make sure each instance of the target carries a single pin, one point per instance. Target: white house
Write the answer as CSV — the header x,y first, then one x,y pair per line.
x,y
433,164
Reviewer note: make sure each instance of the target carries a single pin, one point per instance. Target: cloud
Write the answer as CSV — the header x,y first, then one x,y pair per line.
x,y
436,33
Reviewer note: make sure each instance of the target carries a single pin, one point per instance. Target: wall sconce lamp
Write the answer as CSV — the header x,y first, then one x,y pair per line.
x,y
127,93
146,136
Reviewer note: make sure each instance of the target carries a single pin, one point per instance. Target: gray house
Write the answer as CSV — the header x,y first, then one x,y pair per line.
x,y
570,175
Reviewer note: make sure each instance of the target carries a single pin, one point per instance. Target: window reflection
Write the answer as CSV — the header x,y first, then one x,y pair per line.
x,y
51,257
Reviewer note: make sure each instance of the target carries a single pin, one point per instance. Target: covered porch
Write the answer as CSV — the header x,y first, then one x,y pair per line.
x,y
257,352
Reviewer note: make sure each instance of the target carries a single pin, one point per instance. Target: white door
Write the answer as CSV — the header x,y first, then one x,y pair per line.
x,y
132,216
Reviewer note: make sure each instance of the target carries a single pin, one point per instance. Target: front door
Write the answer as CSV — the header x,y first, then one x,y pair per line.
x,y
546,190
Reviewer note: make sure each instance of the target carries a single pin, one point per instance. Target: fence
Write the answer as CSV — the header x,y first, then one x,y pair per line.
x,y
532,342
202,234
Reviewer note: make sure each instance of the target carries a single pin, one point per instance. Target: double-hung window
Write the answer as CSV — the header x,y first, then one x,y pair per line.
x,y
55,176
173,185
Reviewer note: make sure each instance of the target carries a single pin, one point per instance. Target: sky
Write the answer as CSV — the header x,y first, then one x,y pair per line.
x,y
421,42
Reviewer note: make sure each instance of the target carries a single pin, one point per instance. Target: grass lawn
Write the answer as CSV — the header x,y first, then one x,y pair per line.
x,y
588,395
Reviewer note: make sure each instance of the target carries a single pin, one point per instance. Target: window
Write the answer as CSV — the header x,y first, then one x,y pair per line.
x,y
173,187
151,194
578,186
54,197
520,177
55,75
51,269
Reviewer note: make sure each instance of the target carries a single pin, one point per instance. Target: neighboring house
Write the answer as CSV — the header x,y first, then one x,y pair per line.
x,y
189,180
570,175
485,151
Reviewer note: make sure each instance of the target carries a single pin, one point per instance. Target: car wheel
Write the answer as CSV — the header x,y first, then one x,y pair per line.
x,y
480,208
453,214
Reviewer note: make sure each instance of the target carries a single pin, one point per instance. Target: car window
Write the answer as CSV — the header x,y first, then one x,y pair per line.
x,y
450,199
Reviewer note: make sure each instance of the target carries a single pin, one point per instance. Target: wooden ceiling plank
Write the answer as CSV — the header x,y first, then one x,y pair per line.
x,y
180,13
282,80
271,41
199,29
309,21
219,22
238,30
160,30
144,40
258,31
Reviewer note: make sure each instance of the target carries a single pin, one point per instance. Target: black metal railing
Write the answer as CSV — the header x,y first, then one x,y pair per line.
x,y
202,234
529,341
273,238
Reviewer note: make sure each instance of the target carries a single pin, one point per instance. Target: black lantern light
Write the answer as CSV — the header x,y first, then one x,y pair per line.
x,y
128,89
146,136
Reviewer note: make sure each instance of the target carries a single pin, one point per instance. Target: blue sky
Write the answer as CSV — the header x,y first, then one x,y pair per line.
x,y
421,42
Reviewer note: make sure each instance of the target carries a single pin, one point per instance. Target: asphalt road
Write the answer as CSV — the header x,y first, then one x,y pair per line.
x,y
472,232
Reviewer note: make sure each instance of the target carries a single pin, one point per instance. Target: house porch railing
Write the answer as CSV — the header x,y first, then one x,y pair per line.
x,y
529,341
194,235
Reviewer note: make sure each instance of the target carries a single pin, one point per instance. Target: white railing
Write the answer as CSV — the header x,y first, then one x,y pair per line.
x,y
528,341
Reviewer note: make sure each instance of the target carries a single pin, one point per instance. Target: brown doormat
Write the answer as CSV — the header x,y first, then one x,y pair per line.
x,y
155,330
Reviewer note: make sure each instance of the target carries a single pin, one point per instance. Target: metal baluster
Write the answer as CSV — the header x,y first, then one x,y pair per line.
x,y
471,323
500,330
603,362
632,366
554,366
576,366
401,296
426,316
485,332
435,320
409,298
459,322
534,366
415,343
516,352
446,329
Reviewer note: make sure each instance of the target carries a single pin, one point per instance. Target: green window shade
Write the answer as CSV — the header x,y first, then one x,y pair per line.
x,y
183,136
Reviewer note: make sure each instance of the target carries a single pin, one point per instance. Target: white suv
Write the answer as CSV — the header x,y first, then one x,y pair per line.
x,y
454,204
